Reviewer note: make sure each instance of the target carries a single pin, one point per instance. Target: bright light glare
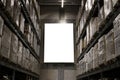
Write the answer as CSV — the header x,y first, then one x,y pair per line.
x,y
62,3
59,47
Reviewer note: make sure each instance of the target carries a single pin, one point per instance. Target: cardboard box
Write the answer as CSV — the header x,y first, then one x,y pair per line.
x,y
88,5
0,43
107,7
90,63
31,62
95,56
6,42
117,46
9,6
85,42
88,33
81,24
21,22
101,16
116,24
102,50
14,48
87,61
1,29
1,26
110,47
20,53
16,12
27,3
114,2
92,28
24,57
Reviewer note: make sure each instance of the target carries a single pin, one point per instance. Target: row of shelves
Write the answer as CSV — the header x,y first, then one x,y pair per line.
x,y
104,26
15,29
10,12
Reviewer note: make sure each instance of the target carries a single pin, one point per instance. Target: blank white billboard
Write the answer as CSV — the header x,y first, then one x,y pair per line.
x,y
58,41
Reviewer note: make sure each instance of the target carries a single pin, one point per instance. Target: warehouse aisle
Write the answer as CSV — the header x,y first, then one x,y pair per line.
x,y
95,39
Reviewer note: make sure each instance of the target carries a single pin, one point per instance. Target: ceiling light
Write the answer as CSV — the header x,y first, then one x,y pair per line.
x,y
62,3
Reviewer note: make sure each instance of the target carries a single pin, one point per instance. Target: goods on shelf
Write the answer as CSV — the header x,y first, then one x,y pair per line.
x,y
110,47
85,42
116,24
14,48
21,23
102,50
107,7
90,59
88,33
20,53
101,16
81,45
95,56
6,42
1,29
88,5
117,46
16,11
114,2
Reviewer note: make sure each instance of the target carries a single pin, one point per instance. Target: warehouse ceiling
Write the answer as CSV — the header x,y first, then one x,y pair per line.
x,y
51,10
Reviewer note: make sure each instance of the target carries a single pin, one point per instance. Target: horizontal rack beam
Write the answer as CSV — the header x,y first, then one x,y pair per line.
x,y
6,63
102,69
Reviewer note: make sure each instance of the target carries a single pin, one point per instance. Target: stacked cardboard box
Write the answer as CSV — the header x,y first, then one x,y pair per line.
x,y
107,7
85,42
92,27
87,62
20,53
16,11
1,29
110,47
88,5
102,50
21,22
14,48
6,42
81,24
95,56
114,2
117,35
9,6
88,33
10,46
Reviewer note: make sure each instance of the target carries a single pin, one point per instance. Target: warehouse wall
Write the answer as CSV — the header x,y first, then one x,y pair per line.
x,y
58,74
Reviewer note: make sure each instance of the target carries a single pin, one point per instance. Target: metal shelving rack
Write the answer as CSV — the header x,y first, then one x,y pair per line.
x,y
27,17
105,26
5,63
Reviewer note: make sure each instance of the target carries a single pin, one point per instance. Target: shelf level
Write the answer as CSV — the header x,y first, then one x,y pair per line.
x,y
7,63
105,69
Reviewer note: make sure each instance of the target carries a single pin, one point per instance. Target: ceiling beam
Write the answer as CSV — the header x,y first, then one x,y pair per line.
x,y
58,3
